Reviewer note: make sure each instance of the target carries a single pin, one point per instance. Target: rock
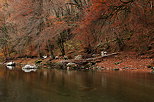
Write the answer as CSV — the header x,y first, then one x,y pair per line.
x,y
56,57
29,67
10,64
44,57
103,53
78,57
66,57
71,65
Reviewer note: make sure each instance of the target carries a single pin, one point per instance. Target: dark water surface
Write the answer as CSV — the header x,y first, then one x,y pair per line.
x,y
75,86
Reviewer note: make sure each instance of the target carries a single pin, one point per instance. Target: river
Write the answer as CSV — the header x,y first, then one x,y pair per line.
x,y
50,85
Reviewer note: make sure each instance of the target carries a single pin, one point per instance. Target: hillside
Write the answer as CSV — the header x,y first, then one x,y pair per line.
x,y
73,27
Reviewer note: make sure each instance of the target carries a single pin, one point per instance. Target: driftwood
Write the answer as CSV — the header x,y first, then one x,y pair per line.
x,y
82,61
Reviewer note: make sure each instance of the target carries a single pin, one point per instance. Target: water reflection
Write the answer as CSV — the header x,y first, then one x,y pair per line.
x,y
10,67
77,86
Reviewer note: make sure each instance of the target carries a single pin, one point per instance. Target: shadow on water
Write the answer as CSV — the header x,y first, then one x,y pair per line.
x,y
74,86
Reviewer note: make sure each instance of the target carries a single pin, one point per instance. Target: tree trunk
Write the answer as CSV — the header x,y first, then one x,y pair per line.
x,y
50,48
61,44
39,51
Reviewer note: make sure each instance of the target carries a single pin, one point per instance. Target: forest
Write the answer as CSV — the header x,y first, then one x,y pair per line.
x,y
33,28
76,50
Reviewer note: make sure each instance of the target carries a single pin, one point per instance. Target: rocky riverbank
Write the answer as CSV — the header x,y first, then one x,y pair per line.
x,y
120,62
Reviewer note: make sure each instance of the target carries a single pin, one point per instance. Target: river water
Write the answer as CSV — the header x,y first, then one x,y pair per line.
x,y
75,86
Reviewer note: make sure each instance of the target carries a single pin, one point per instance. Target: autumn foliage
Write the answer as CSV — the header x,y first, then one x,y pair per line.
x,y
44,27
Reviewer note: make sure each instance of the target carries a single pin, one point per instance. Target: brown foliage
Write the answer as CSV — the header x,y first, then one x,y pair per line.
x,y
116,21
99,24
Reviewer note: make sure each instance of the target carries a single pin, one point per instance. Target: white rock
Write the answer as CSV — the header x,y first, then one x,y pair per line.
x,y
71,64
29,67
103,53
44,57
10,63
56,57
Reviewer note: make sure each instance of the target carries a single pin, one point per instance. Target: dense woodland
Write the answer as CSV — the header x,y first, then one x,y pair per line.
x,y
69,27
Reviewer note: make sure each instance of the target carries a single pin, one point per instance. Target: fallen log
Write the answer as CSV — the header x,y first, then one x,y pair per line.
x,y
88,59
